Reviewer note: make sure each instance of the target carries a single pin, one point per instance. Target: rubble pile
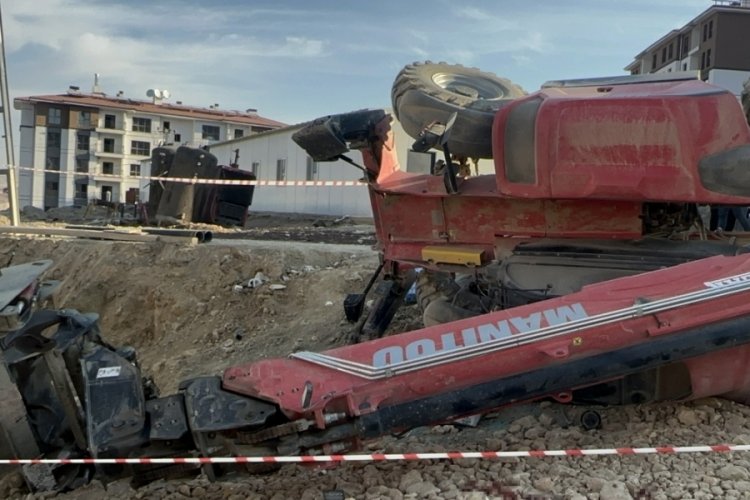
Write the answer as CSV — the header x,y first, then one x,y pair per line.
x,y
697,476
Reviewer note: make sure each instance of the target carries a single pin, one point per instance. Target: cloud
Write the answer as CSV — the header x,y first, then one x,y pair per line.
x,y
482,17
294,60
419,52
300,47
200,54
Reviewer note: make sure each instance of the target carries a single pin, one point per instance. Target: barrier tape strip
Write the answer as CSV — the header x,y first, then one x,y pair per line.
x,y
195,180
380,457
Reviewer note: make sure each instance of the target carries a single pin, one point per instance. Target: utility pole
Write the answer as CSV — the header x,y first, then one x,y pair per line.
x,y
10,170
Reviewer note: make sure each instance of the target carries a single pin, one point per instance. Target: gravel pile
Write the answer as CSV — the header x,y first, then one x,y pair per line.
x,y
538,426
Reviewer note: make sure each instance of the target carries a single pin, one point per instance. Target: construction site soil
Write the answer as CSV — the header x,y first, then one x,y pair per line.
x,y
188,310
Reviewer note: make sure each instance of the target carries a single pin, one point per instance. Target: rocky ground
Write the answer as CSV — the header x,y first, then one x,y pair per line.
x,y
190,310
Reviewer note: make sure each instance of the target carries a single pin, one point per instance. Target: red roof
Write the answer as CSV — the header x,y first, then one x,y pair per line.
x,y
167,109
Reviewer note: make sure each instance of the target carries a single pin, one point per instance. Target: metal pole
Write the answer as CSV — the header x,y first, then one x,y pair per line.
x,y
8,129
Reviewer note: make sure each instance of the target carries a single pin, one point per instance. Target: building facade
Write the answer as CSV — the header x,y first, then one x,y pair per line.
x,y
274,156
92,145
714,44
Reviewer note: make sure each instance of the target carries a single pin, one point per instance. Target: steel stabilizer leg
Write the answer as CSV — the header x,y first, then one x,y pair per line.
x,y
388,297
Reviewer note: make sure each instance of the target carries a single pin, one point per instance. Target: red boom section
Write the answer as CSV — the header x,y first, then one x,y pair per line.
x,y
602,318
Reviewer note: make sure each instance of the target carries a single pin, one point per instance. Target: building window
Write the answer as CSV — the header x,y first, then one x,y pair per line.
x,y
53,139
82,142
685,45
109,145
141,148
54,116
708,58
312,170
238,132
211,132
670,53
141,124
653,62
177,138
110,121
53,186
53,163
281,169
255,169
710,28
663,55
84,119
165,125
135,169
82,165
684,66
108,167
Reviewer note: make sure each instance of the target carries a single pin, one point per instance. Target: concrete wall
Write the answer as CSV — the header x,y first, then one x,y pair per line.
x,y
732,40
262,153
731,80
268,148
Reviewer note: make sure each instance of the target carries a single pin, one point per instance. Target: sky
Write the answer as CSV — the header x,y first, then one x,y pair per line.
x,y
296,60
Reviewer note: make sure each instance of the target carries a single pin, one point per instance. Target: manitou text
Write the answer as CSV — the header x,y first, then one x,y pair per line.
x,y
484,333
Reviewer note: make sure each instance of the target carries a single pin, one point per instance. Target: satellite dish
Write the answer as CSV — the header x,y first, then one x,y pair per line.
x,y
165,94
157,93
150,93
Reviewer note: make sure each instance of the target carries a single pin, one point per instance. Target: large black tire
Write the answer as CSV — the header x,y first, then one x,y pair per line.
x,y
428,92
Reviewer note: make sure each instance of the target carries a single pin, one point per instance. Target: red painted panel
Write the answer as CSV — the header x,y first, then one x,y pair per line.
x,y
627,142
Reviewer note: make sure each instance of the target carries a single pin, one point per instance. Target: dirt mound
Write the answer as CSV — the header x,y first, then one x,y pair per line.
x,y
188,310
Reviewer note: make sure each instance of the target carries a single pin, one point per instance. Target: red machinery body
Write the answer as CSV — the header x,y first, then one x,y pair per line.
x,y
578,162
639,142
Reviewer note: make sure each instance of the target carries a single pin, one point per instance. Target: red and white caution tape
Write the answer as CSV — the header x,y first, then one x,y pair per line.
x,y
380,457
195,180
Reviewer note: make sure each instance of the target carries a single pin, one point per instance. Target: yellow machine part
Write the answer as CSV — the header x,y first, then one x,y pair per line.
x,y
464,256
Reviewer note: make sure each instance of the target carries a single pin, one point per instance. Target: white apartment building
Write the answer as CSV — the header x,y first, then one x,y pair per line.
x,y
92,145
714,43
